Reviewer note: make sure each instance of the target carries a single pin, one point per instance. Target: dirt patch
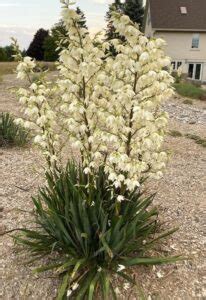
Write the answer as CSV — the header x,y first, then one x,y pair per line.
x,y
181,197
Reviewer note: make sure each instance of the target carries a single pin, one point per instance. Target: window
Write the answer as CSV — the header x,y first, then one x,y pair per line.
x,y
191,71
195,41
179,63
198,71
176,64
183,10
195,71
173,63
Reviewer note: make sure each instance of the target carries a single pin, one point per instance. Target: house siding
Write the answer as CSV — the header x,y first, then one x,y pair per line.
x,y
179,45
179,49
177,30
204,73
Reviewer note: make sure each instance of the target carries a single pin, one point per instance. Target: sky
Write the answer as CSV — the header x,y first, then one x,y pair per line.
x,y
21,18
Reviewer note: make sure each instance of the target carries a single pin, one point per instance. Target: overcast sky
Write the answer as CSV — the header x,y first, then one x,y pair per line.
x,y
21,18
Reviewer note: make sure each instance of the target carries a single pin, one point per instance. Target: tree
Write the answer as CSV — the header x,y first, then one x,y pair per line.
x,y
58,30
132,8
23,52
135,10
9,52
6,53
50,52
82,21
3,56
110,31
36,48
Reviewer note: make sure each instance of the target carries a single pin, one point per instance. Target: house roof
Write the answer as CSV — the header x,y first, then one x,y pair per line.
x,y
166,14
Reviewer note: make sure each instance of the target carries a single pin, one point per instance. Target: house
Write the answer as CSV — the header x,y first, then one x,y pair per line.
x,y
182,24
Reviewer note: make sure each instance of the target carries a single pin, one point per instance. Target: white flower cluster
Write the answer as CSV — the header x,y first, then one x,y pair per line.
x,y
38,112
25,67
80,64
179,71
109,107
73,288
138,82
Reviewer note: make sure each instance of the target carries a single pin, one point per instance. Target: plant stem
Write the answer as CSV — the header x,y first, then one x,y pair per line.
x,y
128,144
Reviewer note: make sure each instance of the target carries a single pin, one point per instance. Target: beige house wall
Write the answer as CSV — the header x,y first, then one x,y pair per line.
x,y
179,45
179,48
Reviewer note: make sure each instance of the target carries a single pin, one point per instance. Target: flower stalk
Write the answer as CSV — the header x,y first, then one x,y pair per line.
x,y
106,108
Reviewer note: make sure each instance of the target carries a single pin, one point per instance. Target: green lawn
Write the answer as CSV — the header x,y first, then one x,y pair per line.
x,y
190,90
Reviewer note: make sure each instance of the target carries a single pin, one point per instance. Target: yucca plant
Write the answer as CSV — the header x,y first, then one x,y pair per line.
x,y
92,235
93,221
11,133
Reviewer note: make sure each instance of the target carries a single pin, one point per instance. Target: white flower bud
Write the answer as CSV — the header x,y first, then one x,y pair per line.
x,y
38,139
120,198
87,171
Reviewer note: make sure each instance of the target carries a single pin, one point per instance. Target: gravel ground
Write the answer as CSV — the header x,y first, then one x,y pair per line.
x,y
184,113
181,198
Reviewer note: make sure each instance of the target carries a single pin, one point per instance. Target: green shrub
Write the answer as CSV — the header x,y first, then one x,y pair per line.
x,y
175,133
188,101
189,90
198,140
91,235
192,137
176,77
11,133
